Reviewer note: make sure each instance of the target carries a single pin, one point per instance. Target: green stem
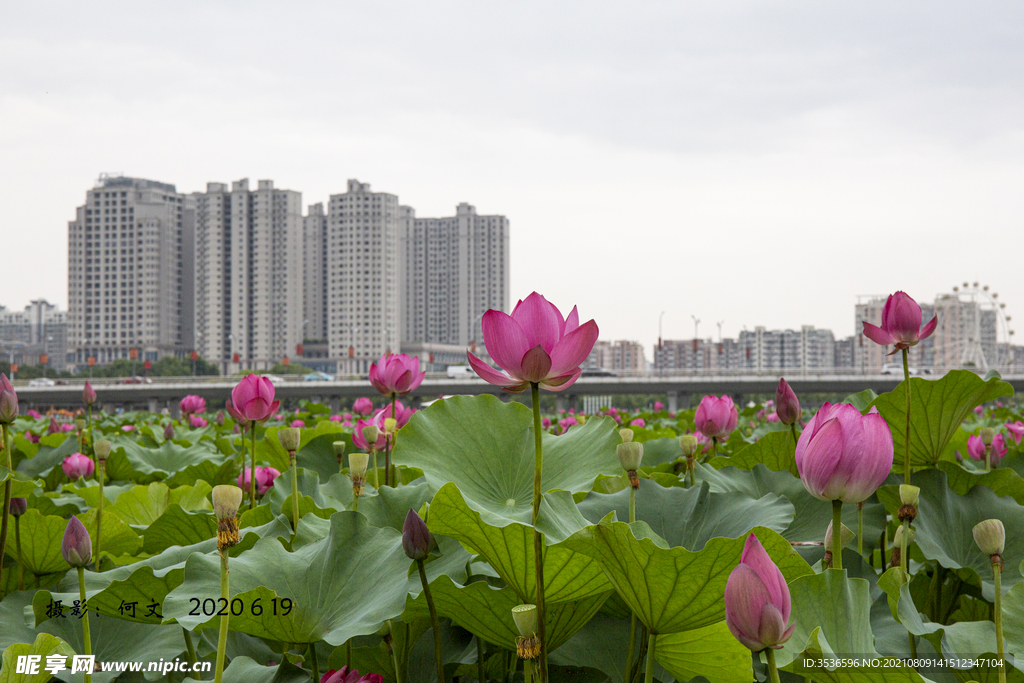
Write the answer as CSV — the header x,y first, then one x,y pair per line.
x,y
632,504
988,458
17,541
860,529
376,473
222,641
714,447
387,445
773,671
7,498
904,559
649,674
252,467
480,673
86,638
438,655
913,645
243,459
99,515
538,539
348,656
313,663
906,440
792,428
192,659
837,533
527,671
997,573
295,491
632,645
394,655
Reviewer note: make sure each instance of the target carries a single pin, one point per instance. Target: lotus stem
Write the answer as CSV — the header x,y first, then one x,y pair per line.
x,y
192,659
860,529
86,639
988,458
252,467
649,674
7,496
314,665
837,545
376,472
387,445
295,490
773,670
348,656
99,516
906,441
527,671
632,615
997,575
538,538
481,673
904,557
632,504
222,640
243,460
438,655
17,542
792,428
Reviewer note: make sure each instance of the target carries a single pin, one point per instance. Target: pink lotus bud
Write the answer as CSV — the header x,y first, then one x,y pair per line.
x,y
395,374
253,398
54,427
35,414
638,422
197,422
975,447
415,537
716,417
265,477
168,432
843,455
298,424
19,506
787,406
88,394
8,401
192,404
362,406
77,465
757,603
658,406
901,323
545,423
998,449
346,675
220,418
534,344
76,547
67,427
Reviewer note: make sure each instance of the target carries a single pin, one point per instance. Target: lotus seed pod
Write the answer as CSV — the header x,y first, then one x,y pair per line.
x,y
990,536
987,435
630,454
844,538
688,443
289,438
339,449
357,463
79,423
581,419
101,448
370,433
390,425
627,434
226,499
909,495
525,617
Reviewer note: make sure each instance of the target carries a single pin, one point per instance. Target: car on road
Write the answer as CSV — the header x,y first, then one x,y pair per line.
x,y
897,369
41,382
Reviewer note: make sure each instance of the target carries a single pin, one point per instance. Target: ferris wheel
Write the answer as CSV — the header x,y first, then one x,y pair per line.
x,y
976,331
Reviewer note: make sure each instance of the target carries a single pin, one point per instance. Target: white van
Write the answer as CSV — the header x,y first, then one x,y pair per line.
x,y
460,371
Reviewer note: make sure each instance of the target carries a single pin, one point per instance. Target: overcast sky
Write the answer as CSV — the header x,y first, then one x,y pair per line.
x,y
757,163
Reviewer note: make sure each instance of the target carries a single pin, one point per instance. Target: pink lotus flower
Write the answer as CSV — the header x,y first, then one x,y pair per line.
x,y
77,465
236,416
567,422
279,416
639,422
198,422
88,394
35,414
336,418
534,345
976,448
545,423
253,398
346,675
757,602
192,404
363,406
658,405
54,427
395,374
67,427
402,415
787,406
843,455
716,417
129,428
32,438
169,431
1016,431
265,477
8,400
298,423
360,441
772,417
901,323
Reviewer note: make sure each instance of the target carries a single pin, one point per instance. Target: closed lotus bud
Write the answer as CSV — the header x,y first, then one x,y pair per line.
x,y
987,435
897,538
689,445
415,536
370,434
88,394
220,418
990,536
226,499
630,454
757,600
626,434
390,425
339,449
79,423
8,401
289,438
525,617
844,538
101,448
76,547
169,431
357,463
19,506
787,406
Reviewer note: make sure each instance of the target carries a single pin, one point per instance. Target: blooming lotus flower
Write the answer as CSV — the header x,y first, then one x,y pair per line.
x,y
235,415
76,546
129,428
360,441
901,323
265,477
198,422
658,405
567,422
336,418
362,406
1016,430
346,675
192,404
88,394
638,422
77,465
35,414
402,415
976,448
771,417
534,345
32,438
8,400
545,422
787,406
395,374
253,398
67,427
757,603
298,423
843,455
979,410
716,417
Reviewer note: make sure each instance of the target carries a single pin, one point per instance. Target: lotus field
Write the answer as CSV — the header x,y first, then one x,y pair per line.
x,y
875,539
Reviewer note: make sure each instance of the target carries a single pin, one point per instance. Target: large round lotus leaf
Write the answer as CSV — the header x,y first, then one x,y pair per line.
x,y
775,450
315,450
674,589
691,517
141,505
1003,480
945,522
22,485
43,646
131,461
40,542
508,545
486,448
937,409
245,670
344,585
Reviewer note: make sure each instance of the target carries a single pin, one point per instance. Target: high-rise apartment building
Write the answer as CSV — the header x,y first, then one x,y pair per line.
x,y
617,356
126,290
40,331
869,356
248,274
314,274
452,271
362,277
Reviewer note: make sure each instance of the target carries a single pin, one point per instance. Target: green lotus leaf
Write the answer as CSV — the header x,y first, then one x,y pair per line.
x,y
344,585
659,451
130,460
775,450
53,449
17,628
861,400
22,485
674,589
1004,481
43,645
118,538
315,453
938,408
245,670
712,652
486,448
177,526
142,505
213,472
691,517
41,536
